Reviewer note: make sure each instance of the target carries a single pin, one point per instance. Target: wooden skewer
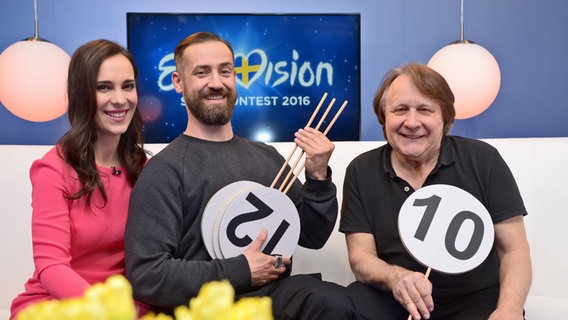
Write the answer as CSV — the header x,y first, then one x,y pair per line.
x,y
324,133
291,169
302,153
335,118
426,275
295,145
324,115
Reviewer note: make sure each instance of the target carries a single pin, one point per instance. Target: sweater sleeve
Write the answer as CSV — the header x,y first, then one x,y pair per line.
x,y
51,230
165,264
318,210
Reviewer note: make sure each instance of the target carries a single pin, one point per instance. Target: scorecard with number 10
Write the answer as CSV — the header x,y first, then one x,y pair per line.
x,y
446,228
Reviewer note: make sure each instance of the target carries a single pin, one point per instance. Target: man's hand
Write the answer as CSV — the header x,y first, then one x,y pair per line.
x,y
318,149
262,266
414,293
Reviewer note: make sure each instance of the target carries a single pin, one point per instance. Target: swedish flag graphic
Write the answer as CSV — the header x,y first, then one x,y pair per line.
x,y
247,67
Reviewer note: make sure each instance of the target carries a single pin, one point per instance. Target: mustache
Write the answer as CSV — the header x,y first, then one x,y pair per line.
x,y
213,92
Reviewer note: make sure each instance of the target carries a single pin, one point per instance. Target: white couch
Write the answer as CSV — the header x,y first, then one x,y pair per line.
x,y
539,165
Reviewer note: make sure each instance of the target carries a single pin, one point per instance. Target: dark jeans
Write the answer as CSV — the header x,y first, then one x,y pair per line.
x,y
372,303
306,297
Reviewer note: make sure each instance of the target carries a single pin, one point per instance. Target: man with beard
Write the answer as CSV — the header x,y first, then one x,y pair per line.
x,y
167,261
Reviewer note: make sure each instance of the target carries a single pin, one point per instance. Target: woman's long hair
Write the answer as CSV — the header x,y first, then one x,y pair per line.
x,y
77,144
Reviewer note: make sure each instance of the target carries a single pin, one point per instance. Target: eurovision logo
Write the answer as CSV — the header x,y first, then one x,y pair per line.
x,y
255,66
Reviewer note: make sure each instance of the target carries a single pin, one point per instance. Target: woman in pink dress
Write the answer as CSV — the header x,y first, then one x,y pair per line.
x,y
81,187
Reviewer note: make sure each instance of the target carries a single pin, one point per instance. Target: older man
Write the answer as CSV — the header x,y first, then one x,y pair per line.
x,y
414,105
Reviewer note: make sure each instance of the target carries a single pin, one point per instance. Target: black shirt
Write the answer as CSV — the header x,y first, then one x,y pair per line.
x,y
373,196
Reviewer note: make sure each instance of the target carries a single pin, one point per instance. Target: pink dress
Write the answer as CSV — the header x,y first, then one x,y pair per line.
x,y
74,246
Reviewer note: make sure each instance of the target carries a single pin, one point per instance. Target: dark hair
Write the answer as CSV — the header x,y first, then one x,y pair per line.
x,y
77,144
429,82
196,38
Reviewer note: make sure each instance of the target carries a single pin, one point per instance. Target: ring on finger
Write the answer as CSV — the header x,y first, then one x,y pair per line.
x,y
278,263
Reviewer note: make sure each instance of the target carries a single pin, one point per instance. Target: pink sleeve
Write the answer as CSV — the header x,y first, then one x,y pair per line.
x,y
51,227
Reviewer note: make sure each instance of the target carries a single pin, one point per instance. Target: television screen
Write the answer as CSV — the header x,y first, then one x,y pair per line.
x,y
285,63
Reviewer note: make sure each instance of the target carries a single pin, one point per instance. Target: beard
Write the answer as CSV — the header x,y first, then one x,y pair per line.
x,y
211,114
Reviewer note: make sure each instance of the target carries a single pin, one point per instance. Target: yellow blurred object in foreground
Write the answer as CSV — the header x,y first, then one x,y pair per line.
x,y
111,300
215,301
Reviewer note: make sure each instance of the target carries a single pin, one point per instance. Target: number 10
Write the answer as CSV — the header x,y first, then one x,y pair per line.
x,y
454,227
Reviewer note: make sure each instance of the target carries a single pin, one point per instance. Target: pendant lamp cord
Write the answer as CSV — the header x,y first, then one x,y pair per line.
x,y
36,34
462,40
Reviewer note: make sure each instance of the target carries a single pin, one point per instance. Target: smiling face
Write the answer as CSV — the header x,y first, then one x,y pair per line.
x,y
208,82
413,123
116,97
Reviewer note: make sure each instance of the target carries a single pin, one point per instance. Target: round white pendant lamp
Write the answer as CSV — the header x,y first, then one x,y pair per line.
x,y
33,78
472,73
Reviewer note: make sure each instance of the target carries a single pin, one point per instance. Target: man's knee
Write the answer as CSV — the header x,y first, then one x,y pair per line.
x,y
332,300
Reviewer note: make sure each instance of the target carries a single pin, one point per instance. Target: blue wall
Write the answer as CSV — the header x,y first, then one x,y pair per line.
x,y
528,39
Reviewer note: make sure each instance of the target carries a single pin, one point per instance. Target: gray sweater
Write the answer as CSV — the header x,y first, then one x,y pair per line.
x,y
166,259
